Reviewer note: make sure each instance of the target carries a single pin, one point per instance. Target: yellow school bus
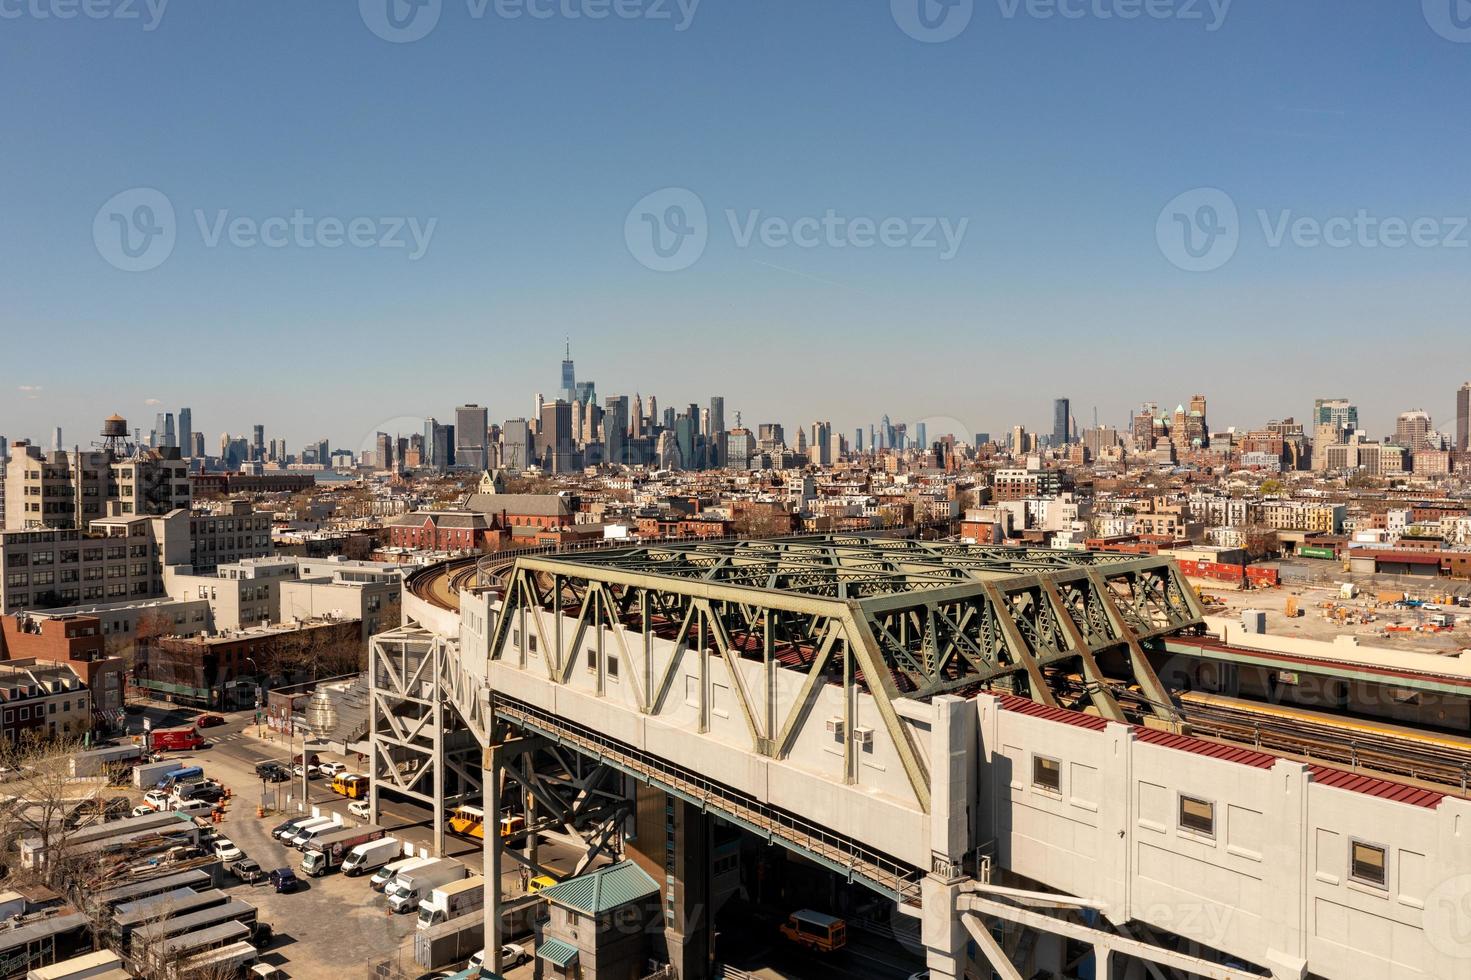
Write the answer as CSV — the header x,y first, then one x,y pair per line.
x,y
468,821
816,930
350,785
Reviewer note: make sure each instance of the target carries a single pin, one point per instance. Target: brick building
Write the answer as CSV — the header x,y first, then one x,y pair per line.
x,y
77,643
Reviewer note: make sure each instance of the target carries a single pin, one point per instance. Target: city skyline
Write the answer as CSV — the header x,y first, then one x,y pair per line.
x,y
1062,186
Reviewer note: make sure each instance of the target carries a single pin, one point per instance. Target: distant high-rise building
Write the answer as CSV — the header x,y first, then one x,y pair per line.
x,y
717,431
1061,422
471,431
197,450
921,436
820,449
615,429
1334,421
554,437
858,439
383,451
1412,430
517,451
186,431
569,376
1463,418
257,441
636,418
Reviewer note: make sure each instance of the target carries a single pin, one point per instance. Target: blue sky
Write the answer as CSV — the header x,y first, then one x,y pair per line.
x,y
521,145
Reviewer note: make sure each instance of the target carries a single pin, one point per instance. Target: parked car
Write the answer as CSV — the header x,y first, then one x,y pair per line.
x,y
312,772
512,955
272,772
208,721
360,809
284,880
331,768
226,850
248,871
208,792
142,811
157,799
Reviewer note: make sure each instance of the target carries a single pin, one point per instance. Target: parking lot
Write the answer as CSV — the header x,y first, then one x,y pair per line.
x,y
333,925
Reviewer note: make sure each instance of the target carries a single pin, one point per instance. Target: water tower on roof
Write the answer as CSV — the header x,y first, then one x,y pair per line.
x,y
114,434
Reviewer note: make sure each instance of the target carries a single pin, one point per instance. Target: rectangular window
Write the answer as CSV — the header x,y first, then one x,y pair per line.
x,y
1367,864
1046,774
1198,816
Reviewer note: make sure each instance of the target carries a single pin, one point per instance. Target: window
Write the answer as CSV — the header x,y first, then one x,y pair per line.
x,y
1367,864
1046,774
1198,816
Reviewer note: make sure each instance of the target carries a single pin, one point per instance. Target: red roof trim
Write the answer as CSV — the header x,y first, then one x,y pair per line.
x,y
1344,779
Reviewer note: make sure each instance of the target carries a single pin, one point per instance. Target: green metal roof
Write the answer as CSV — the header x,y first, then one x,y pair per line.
x,y
604,889
556,952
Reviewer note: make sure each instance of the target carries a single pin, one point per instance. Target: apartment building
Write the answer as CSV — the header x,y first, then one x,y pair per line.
x,y
76,643
113,560
228,533
1300,515
39,699
259,591
70,489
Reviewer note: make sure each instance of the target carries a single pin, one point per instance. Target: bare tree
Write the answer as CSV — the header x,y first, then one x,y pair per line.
x,y
39,799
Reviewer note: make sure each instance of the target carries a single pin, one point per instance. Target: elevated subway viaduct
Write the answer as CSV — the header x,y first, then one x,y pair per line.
x,y
942,723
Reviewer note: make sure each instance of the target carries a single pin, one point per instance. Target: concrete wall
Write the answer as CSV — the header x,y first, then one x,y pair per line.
x,y
700,724
1270,884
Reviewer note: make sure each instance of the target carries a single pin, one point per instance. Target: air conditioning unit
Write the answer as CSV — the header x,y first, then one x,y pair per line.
x,y
863,737
835,727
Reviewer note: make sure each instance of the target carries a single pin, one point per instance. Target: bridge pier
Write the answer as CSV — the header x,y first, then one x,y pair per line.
x,y
671,841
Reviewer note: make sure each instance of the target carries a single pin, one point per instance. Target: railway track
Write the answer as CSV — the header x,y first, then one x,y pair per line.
x,y
1431,757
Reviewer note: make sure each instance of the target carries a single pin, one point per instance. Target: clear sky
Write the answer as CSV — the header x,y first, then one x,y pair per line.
x,y
521,147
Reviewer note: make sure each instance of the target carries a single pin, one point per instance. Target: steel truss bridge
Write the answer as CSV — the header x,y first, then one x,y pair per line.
x,y
893,620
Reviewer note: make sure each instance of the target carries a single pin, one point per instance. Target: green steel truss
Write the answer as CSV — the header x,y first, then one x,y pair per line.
x,y
892,618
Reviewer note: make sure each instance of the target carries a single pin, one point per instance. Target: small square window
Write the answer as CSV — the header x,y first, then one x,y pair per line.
x,y
1046,774
1367,864
1198,816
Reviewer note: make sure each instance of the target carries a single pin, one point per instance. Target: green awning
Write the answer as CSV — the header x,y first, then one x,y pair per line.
x,y
556,952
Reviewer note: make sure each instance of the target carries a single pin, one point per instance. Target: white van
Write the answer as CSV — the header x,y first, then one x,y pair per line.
x,y
194,808
299,834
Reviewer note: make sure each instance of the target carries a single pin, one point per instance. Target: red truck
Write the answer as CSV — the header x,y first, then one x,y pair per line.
x,y
174,738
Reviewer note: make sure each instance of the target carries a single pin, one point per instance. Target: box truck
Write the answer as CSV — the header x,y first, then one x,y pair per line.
x,y
413,885
452,900
174,739
327,851
371,856
385,875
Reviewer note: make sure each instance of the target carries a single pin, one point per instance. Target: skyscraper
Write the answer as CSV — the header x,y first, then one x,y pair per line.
x,y
615,429
1334,420
186,431
1463,418
921,436
569,376
471,430
1062,414
257,441
717,431
1412,430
